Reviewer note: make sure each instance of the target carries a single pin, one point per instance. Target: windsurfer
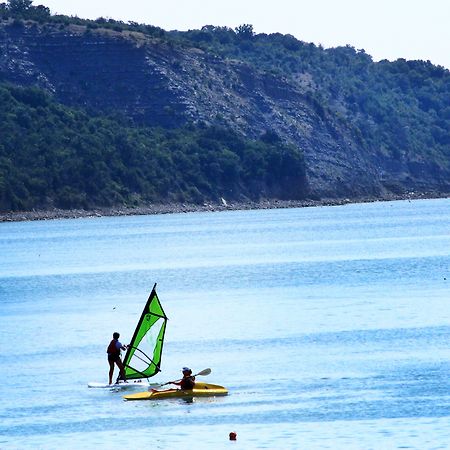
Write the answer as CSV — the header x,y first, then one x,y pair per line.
x,y
113,351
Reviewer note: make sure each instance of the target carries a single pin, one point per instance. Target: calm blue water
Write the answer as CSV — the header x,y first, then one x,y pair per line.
x,y
330,326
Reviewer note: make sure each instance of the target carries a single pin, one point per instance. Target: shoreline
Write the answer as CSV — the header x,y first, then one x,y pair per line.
x,y
176,208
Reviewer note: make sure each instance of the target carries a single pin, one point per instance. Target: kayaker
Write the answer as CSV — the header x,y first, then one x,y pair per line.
x,y
113,351
187,382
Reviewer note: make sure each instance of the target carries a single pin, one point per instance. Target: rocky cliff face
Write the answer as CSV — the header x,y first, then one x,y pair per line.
x,y
159,84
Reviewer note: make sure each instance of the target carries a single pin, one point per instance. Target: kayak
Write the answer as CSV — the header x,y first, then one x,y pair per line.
x,y
200,390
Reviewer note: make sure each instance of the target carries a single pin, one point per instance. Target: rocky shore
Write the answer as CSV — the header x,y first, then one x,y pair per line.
x,y
174,208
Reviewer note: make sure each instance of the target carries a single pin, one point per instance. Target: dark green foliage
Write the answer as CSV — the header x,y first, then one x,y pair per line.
x,y
51,155
19,6
245,31
23,9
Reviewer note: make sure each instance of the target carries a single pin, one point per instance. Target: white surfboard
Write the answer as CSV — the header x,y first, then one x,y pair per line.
x,y
122,385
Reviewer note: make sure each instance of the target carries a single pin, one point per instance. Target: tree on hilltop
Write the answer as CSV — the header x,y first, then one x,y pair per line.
x,y
245,31
19,6
24,9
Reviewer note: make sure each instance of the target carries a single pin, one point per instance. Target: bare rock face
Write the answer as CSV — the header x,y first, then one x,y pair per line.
x,y
157,83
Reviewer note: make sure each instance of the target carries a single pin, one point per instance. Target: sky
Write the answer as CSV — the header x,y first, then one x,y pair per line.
x,y
385,29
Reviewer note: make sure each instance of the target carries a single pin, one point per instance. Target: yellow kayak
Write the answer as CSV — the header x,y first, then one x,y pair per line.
x,y
200,390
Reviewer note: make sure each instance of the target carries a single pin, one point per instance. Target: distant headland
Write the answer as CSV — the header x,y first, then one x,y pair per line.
x,y
109,117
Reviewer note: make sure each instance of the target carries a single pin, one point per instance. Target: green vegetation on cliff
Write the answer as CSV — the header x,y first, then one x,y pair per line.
x,y
52,155
397,107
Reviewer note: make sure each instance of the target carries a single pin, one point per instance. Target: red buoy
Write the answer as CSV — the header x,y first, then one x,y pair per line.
x,y
233,436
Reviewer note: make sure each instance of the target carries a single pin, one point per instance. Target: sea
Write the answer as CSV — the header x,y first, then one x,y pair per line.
x,y
330,327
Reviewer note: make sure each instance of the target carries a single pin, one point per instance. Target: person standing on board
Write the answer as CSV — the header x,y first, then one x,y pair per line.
x,y
113,351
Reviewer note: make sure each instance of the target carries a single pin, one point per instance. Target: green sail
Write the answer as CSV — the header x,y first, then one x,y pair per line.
x,y
143,357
